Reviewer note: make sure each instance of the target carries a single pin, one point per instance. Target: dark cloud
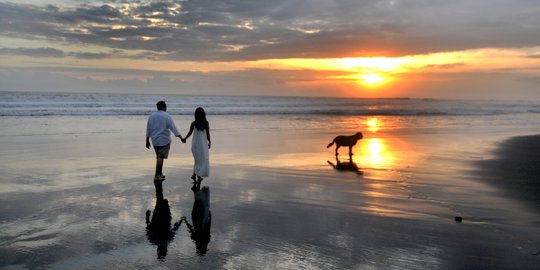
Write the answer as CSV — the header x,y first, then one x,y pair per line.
x,y
34,52
445,66
535,56
87,55
51,52
157,10
213,30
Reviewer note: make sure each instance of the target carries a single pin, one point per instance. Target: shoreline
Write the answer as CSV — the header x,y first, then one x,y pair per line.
x,y
515,169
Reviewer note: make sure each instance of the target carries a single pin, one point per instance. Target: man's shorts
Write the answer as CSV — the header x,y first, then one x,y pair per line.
x,y
162,151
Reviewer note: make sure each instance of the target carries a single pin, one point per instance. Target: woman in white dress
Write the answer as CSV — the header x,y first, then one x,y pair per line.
x,y
200,144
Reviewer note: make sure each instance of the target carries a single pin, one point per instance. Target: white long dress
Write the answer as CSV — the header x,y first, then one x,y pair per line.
x,y
199,148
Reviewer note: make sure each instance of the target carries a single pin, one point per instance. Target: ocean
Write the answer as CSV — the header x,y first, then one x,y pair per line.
x,y
43,104
76,183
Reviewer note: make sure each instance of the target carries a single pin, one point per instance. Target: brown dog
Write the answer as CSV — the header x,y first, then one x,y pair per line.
x,y
349,141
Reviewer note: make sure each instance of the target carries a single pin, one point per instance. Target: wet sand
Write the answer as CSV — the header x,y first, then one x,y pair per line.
x,y
76,195
515,170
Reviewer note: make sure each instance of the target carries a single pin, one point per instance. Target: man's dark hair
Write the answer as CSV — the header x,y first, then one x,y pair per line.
x,y
161,106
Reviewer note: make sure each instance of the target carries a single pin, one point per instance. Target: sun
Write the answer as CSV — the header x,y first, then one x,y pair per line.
x,y
371,79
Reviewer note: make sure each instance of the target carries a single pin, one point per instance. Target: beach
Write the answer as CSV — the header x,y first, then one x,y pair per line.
x,y
436,106
75,190
515,169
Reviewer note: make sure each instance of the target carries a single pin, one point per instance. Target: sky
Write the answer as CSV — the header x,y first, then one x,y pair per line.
x,y
482,49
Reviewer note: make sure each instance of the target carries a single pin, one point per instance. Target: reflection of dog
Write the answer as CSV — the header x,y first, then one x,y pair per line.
x,y
346,166
349,141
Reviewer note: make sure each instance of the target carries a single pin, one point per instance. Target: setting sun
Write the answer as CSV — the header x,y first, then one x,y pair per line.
x,y
372,79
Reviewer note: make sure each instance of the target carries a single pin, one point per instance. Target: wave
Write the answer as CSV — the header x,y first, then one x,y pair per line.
x,y
66,104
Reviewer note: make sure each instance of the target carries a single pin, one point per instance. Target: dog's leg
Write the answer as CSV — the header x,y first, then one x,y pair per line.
x,y
337,147
350,151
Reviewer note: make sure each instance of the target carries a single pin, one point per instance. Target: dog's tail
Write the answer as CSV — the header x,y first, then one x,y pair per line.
x,y
328,146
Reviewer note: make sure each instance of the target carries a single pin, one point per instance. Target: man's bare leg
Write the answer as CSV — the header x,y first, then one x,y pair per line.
x,y
159,167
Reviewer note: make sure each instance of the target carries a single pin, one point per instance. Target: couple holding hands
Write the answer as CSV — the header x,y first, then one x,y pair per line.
x,y
159,128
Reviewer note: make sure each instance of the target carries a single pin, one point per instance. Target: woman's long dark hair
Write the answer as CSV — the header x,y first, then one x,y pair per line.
x,y
200,119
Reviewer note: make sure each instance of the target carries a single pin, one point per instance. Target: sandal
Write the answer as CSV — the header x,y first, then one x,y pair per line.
x,y
159,178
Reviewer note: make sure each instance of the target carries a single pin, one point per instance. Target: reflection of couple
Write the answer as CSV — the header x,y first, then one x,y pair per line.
x,y
158,225
201,218
159,127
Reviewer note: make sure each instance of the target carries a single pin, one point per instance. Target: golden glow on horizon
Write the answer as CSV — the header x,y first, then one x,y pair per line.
x,y
445,62
385,67
369,72
381,76
477,59
373,63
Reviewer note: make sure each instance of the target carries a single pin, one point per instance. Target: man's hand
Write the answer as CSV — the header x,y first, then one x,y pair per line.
x,y
147,144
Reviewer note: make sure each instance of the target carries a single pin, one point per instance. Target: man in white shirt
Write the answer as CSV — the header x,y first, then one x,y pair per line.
x,y
158,128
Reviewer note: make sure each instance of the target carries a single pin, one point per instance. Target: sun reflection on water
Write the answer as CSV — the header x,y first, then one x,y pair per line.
x,y
374,153
373,124
374,149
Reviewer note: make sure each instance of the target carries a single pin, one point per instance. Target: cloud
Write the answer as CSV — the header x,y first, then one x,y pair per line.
x,y
34,52
88,55
55,53
477,85
217,30
534,56
474,85
245,82
445,66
